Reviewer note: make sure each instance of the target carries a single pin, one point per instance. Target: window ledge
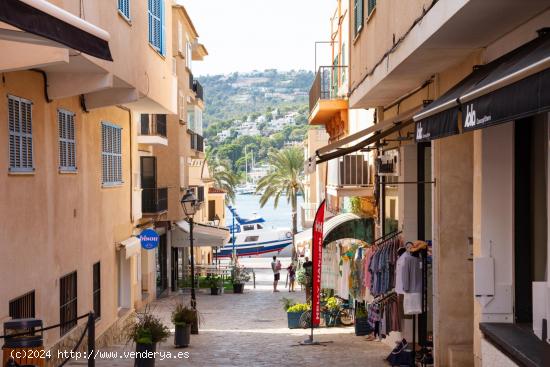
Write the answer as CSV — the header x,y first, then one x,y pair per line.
x,y
125,18
156,51
65,171
21,173
371,14
358,35
112,185
518,343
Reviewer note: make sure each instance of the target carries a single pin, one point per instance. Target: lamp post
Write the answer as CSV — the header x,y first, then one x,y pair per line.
x,y
190,206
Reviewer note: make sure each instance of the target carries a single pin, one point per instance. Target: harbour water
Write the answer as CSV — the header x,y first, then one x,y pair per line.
x,y
248,205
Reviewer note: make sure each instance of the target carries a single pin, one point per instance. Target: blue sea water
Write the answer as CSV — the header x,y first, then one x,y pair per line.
x,y
281,217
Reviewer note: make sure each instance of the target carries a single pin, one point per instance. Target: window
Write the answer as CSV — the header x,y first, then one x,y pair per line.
x,y
181,106
23,307
96,293
188,55
371,6
259,226
124,8
212,210
358,13
111,154
251,239
20,134
180,38
67,140
249,227
156,24
67,302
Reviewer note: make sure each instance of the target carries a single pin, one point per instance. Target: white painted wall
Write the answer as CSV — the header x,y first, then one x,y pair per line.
x,y
497,219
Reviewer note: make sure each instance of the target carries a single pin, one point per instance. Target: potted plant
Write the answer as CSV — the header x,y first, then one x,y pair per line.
x,y
294,313
216,285
333,310
183,317
146,331
240,277
362,326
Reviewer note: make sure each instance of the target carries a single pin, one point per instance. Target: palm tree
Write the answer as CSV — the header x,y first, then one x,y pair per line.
x,y
284,177
223,176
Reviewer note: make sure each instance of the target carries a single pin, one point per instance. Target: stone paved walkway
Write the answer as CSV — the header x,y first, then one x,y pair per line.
x,y
250,329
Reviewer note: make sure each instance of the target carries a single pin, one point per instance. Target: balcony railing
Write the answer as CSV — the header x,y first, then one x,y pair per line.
x,y
327,84
153,125
308,211
197,142
197,88
154,200
351,170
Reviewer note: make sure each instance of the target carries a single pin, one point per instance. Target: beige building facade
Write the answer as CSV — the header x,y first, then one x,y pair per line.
x,y
458,187
96,152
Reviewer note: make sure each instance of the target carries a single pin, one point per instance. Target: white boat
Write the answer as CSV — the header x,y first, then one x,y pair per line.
x,y
252,236
246,189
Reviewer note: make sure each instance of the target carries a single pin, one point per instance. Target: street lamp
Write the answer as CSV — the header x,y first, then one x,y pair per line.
x,y
190,206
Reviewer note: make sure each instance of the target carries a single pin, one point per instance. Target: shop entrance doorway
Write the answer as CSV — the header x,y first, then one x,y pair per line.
x,y
530,214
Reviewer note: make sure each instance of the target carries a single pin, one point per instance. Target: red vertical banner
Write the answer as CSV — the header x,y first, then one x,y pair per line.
x,y
317,259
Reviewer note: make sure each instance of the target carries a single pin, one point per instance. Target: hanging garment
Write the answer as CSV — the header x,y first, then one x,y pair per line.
x,y
399,275
412,274
412,303
343,289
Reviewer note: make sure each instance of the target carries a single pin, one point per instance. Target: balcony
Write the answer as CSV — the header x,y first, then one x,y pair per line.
x,y
152,130
349,176
308,211
197,142
326,96
154,201
197,88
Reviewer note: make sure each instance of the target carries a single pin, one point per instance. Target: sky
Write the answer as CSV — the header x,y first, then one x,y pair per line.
x,y
246,35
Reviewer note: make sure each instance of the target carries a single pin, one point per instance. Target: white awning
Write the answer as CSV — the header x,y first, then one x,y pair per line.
x,y
203,235
307,235
131,246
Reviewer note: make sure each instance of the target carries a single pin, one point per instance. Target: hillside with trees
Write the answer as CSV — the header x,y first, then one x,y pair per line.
x,y
256,113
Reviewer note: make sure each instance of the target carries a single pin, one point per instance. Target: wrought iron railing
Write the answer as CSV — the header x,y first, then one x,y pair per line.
x,y
154,200
327,84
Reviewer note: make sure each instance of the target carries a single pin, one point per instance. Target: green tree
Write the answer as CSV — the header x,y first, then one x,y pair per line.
x,y
284,178
223,176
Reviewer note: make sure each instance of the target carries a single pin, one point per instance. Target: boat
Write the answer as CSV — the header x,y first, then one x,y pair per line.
x,y
246,189
251,236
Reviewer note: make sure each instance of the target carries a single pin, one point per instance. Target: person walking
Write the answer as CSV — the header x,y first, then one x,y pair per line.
x,y
276,267
291,277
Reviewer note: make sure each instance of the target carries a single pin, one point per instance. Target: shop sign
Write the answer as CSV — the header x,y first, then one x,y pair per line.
x,y
149,239
317,256
388,163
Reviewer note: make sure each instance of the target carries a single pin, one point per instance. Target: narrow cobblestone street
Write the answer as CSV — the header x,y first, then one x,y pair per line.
x,y
250,329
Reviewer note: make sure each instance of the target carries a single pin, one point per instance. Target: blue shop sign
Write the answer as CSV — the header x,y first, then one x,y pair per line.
x,y
149,239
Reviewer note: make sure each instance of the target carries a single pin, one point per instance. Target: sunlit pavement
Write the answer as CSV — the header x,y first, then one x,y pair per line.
x,y
250,329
